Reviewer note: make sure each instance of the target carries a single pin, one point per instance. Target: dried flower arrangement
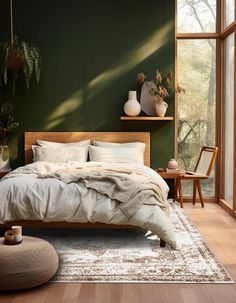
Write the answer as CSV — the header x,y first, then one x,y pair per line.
x,y
162,88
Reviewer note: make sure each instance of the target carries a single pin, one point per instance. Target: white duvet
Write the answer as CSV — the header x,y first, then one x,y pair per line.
x,y
32,192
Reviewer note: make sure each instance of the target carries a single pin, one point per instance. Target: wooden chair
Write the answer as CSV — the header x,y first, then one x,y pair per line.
x,y
202,170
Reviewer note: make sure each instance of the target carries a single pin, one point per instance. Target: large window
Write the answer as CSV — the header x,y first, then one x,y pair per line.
x,y
206,40
196,110
197,74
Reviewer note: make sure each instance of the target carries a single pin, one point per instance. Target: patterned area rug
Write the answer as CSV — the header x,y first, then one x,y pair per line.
x,y
132,256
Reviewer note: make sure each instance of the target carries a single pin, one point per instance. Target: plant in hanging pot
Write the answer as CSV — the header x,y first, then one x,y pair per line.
x,y
7,126
19,55
16,55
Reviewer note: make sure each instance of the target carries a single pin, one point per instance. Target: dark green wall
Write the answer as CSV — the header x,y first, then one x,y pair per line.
x,y
92,51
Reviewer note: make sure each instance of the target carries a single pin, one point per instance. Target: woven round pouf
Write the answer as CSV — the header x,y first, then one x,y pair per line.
x,y
31,263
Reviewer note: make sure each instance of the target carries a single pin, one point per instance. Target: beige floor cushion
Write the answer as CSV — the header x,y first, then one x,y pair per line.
x,y
28,264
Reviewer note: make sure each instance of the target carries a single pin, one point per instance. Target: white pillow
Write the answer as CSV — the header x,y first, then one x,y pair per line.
x,y
60,155
116,155
140,146
59,144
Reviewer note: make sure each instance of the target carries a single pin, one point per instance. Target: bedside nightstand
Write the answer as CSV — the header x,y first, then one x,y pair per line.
x,y
4,172
178,187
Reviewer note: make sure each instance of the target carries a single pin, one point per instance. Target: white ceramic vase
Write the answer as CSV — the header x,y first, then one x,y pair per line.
x,y
4,158
132,107
160,107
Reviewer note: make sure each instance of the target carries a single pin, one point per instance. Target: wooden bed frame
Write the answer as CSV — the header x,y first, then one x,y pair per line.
x,y
67,137
31,138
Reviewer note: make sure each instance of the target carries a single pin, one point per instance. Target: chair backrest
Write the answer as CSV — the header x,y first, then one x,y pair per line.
x,y
206,160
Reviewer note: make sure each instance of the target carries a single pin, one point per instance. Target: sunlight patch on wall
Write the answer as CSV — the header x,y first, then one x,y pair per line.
x,y
142,51
60,113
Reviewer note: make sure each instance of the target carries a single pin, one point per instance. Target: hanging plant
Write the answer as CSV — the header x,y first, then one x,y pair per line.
x,y
18,55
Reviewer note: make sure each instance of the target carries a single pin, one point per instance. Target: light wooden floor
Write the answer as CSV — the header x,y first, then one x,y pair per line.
x,y
219,230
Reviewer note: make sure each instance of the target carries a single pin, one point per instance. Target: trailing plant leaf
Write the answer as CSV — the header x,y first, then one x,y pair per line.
x,y
37,63
5,76
4,59
29,63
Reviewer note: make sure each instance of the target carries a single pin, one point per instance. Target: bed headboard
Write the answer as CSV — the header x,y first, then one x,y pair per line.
x,y
66,137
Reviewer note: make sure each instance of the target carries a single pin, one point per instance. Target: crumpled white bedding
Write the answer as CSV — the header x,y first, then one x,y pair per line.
x,y
25,195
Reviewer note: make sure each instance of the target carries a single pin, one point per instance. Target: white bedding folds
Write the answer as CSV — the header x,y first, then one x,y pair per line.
x,y
41,191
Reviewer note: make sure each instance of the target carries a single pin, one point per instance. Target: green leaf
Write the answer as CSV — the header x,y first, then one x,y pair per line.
x,y
12,126
6,108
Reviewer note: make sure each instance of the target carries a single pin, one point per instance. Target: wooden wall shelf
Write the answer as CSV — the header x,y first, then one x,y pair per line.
x,y
147,118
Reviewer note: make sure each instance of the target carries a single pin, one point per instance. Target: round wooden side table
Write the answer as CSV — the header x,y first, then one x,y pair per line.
x,y
177,186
